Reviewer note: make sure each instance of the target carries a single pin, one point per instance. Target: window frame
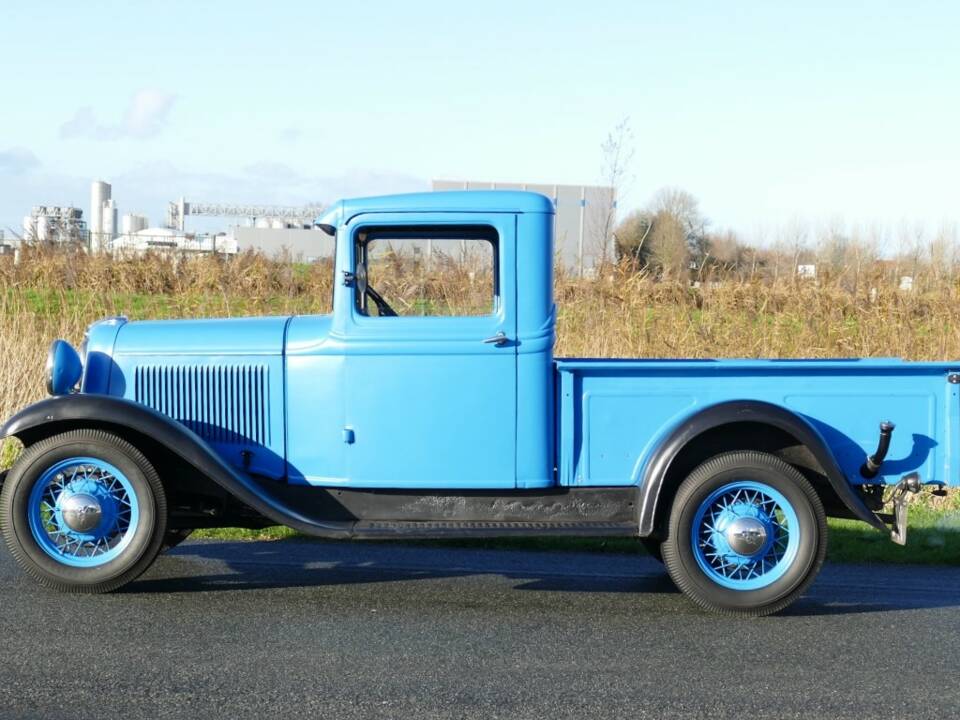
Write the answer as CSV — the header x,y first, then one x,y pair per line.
x,y
443,232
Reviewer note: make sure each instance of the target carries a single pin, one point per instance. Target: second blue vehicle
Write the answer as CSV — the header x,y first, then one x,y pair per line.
x,y
451,417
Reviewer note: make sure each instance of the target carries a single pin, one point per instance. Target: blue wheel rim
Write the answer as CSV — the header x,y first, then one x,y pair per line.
x,y
119,515
764,507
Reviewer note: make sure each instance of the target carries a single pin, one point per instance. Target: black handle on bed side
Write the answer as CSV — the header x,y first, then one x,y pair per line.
x,y
871,466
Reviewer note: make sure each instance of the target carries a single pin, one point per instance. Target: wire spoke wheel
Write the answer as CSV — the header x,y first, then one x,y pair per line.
x,y
745,535
83,511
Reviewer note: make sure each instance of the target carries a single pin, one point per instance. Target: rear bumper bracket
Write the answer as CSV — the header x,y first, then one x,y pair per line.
x,y
908,484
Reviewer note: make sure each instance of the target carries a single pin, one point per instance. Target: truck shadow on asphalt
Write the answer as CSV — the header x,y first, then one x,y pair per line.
x,y
274,568
239,566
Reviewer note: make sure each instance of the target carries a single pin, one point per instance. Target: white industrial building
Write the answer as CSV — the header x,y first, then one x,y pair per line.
x,y
295,244
584,221
157,239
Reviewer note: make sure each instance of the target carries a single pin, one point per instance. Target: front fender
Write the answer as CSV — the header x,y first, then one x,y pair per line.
x,y
66,412
738,411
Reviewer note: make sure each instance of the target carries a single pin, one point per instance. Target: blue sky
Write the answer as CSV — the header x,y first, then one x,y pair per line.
x,y
766,111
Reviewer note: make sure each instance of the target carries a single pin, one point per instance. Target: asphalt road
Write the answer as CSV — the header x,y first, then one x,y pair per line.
x,y
367,631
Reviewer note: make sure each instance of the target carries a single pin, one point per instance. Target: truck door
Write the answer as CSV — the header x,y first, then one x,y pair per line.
x,y
429,339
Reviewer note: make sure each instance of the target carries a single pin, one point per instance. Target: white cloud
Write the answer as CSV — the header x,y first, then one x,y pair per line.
x,y
84,124
148,112
145,117
17,161
275,171
290,135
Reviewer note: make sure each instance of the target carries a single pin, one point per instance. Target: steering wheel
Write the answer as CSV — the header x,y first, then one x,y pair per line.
x,y
383,307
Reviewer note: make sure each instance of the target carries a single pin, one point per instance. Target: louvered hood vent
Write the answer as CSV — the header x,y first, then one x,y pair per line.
x,y
221,403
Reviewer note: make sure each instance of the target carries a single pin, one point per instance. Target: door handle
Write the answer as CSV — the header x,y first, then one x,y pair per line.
x,y
499,339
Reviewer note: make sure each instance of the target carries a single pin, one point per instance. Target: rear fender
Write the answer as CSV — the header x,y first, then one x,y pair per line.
x,y
753,411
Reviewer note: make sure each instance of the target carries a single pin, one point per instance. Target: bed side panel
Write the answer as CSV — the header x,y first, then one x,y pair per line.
x,y
618,412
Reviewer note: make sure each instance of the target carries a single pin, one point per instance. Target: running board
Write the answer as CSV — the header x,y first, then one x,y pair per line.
x,y
382,529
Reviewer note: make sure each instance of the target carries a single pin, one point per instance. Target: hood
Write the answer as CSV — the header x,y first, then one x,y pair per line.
x,y
233,336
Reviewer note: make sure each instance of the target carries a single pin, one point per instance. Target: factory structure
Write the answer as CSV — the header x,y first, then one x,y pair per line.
x,y
133,233
584,223
55,224
272,230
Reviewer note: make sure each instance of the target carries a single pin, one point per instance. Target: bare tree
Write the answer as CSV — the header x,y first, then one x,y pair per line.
x,y
795,237
618,152
909,259
943,252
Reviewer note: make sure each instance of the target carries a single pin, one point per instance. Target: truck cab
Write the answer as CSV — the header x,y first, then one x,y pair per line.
x,y
461,388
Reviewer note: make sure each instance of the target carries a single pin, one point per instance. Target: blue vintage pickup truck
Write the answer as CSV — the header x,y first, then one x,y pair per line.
x,y
392,418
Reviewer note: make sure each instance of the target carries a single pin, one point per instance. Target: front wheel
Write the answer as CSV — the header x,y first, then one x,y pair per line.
x,y
747,534
83,511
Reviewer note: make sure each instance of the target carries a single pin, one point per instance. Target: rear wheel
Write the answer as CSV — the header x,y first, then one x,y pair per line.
x,y
747,534
83,511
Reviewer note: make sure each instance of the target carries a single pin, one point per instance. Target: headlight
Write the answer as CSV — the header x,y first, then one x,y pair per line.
x,y
63,368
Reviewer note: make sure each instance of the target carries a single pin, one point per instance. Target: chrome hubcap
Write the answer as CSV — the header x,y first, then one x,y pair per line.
x,y
81,512
747,536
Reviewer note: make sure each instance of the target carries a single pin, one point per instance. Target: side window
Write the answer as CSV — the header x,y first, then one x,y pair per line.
x,y
426,271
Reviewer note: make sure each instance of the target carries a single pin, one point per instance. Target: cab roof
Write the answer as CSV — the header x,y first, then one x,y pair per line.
x,y
506,201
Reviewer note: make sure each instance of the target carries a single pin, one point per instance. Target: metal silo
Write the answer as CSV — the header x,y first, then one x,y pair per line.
x,y
131,223
110,223
99,195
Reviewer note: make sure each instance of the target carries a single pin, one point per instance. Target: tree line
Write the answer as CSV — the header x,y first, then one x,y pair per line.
x,y
672,240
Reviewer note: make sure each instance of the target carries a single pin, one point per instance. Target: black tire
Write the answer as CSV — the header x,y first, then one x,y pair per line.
x,y
172,538
146,538
652,546
797,574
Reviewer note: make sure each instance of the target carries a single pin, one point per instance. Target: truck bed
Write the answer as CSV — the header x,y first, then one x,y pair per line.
x,y
612,413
